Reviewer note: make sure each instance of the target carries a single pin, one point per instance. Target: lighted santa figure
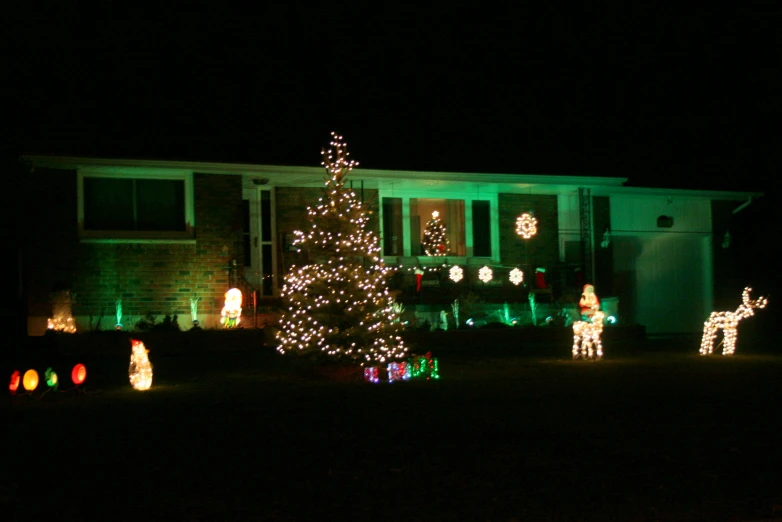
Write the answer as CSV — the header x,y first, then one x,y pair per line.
x,y
589,302
232,311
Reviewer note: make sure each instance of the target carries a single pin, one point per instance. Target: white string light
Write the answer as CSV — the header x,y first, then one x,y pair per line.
x,y
516,276
339,304
526,225
728,322
456,273
485,274
586,337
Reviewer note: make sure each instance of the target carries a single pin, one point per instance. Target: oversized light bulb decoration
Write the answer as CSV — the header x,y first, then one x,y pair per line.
x,y
485,274
456,273
728,322
231,315
140,371
339,304
516,276
586,337
435,240
526,225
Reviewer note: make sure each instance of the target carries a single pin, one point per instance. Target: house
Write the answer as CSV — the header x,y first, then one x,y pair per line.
x,y
160,236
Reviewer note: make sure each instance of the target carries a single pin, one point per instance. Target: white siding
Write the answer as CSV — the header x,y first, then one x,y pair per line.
x,y
640,213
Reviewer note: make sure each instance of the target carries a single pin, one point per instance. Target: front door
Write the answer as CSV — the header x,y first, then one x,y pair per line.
x,y
258,239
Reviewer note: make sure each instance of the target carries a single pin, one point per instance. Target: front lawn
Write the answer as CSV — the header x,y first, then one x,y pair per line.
x,y
248,435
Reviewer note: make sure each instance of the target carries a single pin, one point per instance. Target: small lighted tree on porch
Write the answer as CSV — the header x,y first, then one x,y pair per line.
x,y
435,240
339,304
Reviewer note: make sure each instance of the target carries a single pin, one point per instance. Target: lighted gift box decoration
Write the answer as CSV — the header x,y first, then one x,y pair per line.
x,y
230,317
398,372
586,337
423,367
140,371
728,322
371,374
417,367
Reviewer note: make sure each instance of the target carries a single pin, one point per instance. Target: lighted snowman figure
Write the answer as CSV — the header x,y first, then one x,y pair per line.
x,y
232,311
589,302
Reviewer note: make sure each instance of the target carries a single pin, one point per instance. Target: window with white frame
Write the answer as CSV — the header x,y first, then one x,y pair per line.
x,y
135,206
468,224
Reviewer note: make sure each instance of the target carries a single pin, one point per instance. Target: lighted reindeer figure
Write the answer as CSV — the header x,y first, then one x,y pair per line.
x,y
728,322
586,337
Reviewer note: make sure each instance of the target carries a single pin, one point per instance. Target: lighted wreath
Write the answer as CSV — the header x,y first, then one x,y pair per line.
x,y
526,225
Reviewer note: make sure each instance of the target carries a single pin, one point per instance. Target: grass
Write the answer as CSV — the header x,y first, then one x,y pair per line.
x,y
253,436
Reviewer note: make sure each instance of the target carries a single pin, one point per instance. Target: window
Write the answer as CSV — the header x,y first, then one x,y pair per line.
x,y
451,211
468,224
116,206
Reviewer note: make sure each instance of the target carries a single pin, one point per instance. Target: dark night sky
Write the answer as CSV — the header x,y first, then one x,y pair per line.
x,y
664,96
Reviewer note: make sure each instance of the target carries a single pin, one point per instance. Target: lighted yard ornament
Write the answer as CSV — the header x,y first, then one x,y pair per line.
x,y
140,371
589,302
526,225
371,374
398,371
435,239
456,273
62,321
79,374
30,380
728,322
423,367
13,386
516,276
232,311
194,311
586,337
51,379
118,306
339,306
485,274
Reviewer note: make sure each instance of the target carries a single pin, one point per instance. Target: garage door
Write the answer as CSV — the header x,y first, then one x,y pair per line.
x,y
663,281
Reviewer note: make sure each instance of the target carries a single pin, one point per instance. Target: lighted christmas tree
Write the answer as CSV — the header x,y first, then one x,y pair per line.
x,y
435,240
339,305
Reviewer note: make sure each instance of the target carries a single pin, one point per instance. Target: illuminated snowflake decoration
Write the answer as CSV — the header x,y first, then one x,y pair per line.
x,y
485,274
456,273
516,276
526,225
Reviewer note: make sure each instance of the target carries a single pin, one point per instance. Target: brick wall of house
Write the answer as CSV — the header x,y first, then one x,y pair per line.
x,y
541,250
155,279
